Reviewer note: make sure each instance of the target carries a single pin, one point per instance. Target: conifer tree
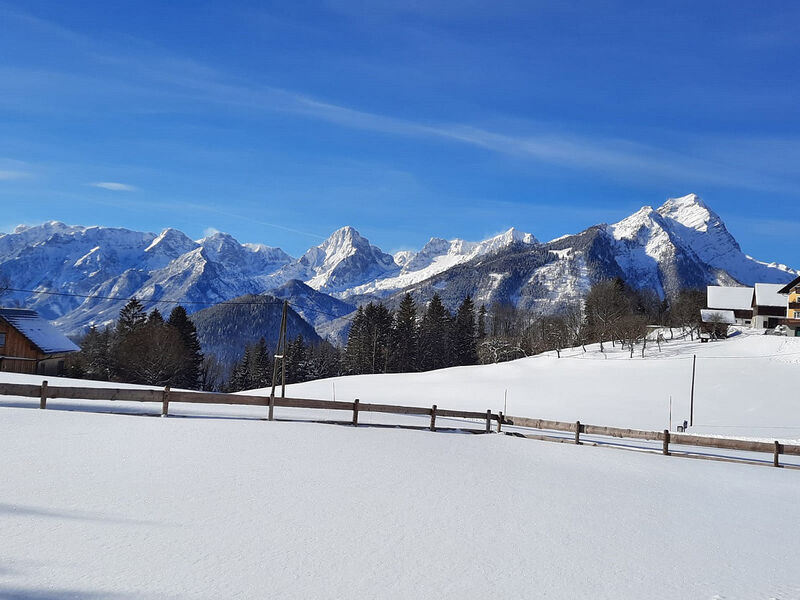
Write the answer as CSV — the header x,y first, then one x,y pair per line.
x,y
434,337
481,333
464,351
155,318
296,361
356,351
189,375
131,318
403,350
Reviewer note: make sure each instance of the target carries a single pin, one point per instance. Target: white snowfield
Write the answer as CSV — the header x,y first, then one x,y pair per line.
x,y
120,506
743,386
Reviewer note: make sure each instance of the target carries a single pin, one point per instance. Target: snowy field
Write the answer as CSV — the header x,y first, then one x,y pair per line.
x,y
116,506
740,388
207,506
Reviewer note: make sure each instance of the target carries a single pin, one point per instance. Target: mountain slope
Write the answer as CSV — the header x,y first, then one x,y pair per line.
x,y
225,329
315,307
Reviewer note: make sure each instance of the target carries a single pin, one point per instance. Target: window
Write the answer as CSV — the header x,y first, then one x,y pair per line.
x,y
796,314
2,340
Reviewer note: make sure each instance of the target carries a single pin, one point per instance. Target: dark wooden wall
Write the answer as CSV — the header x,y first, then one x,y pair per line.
x,y
18,346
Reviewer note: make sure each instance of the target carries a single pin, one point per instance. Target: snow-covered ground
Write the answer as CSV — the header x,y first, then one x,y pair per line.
x,y
116,506
740,387
119,506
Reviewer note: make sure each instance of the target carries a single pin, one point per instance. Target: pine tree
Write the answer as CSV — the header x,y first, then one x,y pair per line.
x,y
481,333
296,361
434,337
189,375
155,318
403,350
356,351
131,318
258,364
379,325
464,350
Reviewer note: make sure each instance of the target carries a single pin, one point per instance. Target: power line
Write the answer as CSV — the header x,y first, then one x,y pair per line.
x,y
181,302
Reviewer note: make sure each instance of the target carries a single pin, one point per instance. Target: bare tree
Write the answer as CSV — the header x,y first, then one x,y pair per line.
x,y
632,329
606,304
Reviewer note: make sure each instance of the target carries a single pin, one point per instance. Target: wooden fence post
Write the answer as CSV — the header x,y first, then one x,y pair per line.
x,y
271,406
165,402
43,396
489,421
433,418
355,413
665,449
499,421
775,459
578,432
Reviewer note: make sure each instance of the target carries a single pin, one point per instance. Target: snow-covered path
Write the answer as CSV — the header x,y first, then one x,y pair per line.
x,y
115,506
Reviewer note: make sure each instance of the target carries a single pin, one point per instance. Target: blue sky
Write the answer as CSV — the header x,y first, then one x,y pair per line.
x,y
280,122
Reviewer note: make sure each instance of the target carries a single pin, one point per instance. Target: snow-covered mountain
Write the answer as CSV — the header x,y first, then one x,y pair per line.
x,y
345,260
681,244
435,257
91,268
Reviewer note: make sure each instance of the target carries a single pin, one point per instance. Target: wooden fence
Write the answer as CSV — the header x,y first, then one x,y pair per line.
x,y
166,396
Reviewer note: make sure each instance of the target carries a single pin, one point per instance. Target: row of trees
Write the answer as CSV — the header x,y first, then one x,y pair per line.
x,y
147,349
304,362
611,312
381,341
142,348
403,341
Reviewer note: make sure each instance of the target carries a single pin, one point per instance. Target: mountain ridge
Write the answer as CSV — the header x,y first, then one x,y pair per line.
x,y
680,244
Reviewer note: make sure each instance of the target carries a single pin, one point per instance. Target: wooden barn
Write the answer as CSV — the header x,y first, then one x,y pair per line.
x,y
29,344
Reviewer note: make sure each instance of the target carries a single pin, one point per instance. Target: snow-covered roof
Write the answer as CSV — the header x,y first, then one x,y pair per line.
x,y
768,294
788,287
40,332
709,315
730,298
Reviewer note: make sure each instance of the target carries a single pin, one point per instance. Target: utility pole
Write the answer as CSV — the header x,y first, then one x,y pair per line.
x,y
280,354
691,401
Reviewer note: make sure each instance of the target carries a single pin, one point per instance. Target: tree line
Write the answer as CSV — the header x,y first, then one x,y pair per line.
x,y
148,349
143,348
382,341
304,362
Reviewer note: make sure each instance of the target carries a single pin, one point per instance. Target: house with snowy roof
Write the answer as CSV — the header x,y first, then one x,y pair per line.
x,y
769,305
30,344
739,300
792,320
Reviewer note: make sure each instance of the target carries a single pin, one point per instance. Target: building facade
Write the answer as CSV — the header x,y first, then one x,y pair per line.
x,y
29,344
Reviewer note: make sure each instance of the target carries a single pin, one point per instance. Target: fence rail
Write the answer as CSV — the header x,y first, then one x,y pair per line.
x,y
165,397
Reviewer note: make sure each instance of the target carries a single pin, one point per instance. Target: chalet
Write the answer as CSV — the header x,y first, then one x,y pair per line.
x,y
29,344
769,305
736,299
792,320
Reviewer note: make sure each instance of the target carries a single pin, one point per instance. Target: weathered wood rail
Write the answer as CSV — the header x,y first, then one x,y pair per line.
x,y
166,396
667,437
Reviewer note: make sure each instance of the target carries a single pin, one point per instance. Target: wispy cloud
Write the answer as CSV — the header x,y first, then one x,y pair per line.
x,y
114,186
9,174
613,157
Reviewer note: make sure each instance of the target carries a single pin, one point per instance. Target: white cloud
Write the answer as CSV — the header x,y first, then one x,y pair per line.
x,y
9,174
209,231
114,186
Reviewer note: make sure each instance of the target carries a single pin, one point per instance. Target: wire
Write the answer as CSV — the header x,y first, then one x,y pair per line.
x,y
181,302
